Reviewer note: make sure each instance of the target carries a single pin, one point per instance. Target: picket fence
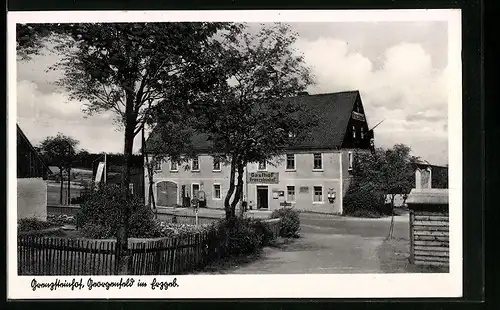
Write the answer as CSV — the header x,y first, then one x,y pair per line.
x,y
47,255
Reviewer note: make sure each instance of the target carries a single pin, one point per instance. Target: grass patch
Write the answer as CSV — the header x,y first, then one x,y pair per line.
x,y
227,264
394,258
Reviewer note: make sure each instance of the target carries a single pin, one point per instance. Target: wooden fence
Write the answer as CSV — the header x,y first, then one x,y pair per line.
x,y
429,235
39,255
47,255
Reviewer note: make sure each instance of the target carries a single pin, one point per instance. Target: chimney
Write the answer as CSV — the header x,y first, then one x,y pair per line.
x,y
302,93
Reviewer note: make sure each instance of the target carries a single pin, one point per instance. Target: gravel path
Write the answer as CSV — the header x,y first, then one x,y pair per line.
x,y
328,244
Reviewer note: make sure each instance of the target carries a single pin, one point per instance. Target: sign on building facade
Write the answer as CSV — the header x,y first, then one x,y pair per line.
x,y
358,116
304,189
263,177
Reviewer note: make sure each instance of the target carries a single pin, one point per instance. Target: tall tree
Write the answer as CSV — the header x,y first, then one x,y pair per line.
x,y
386,172
247,117
128,68
60,151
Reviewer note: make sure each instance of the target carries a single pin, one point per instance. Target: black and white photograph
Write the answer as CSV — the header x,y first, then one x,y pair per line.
x,y
265,155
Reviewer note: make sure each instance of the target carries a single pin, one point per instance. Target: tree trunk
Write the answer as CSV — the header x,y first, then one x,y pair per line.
x,y
391,228
239,189
230,191
62,186
122,237
151,198
69,186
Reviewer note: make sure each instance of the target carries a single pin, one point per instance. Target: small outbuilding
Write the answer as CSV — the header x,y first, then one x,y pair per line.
x,y
429,226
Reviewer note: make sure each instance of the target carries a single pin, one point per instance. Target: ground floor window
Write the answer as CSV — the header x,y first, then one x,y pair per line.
x,y
217,191
290,193
318,194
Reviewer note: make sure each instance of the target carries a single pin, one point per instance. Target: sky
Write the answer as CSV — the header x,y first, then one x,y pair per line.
x,y
400,69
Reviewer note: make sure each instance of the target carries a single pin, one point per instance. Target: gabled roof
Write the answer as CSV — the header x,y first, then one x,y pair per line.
x,y
331,110
20,134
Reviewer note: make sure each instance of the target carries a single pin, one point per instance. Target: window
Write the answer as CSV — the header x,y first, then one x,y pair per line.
x,y
290,161
157,165
350,160
217,191
362,134
262,165
195,164
196,189
290,193
173,166
318,162
318,194
131,188
353,132
216,164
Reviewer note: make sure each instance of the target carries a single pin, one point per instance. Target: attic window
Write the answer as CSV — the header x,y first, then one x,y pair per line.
x,y
353,131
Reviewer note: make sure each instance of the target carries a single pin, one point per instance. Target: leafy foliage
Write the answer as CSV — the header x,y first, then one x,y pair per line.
x,y
290,222
364,200
242,238
100,214
61,219
245,116
32,224
173,229
387,171
60,151
31,39
262,230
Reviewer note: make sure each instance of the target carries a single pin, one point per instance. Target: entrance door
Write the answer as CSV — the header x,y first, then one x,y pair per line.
x,y
262,197
166,194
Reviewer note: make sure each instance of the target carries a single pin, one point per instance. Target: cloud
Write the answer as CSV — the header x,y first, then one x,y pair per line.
x,y
42,114
407,91
399,69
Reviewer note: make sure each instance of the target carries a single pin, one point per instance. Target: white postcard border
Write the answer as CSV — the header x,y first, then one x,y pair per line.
x,y
258,286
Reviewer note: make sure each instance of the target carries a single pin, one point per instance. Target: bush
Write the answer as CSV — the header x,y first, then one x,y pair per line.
x,y
290,222
172,229
263,231
32,224
362,200
242,238
101,213
61,219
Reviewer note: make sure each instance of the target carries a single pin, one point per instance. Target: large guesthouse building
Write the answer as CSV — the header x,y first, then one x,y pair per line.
x,y
312,175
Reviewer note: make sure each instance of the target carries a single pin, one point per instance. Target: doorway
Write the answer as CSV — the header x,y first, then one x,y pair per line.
x,y
262,197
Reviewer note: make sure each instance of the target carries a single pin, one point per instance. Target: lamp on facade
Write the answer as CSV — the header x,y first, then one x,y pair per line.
x,y
331,196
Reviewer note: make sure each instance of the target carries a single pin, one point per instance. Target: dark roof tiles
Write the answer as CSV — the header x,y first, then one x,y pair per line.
x,y
332,112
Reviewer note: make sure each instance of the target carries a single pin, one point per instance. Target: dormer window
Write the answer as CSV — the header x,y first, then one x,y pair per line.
x,y
195,164
262,165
